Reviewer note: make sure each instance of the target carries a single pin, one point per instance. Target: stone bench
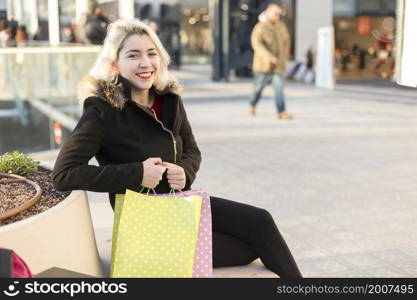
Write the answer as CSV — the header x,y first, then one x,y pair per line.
x,y
256,269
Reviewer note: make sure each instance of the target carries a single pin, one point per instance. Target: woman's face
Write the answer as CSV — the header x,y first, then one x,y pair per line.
x,y
138,61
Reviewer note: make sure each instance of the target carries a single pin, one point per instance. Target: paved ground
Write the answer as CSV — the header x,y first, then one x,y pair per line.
x,y
340,179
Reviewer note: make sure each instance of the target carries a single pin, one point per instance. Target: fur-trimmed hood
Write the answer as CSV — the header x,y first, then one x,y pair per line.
x,y
116,93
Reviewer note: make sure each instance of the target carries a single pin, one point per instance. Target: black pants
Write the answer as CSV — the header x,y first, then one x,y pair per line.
x,y
242,233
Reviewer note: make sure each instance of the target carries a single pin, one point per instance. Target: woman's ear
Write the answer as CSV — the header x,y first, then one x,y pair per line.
x,y
115,67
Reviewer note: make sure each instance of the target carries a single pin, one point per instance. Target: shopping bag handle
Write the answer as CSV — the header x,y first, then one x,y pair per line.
x,y
149,189
172,192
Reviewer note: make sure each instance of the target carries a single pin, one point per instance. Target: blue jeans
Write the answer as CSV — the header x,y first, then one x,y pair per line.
x,y
261,80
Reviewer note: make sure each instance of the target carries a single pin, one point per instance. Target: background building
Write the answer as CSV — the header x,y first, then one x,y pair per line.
x,y
364,37
218,31
364,31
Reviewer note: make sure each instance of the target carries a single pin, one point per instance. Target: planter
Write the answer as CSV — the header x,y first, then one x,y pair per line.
x,y
62,236
12,178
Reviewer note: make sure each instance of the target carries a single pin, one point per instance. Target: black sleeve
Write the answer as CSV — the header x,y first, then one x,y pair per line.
x,y
71,170
191,156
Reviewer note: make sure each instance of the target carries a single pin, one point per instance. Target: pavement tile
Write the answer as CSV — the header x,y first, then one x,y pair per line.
x,y
352,274
387,271
408,267
328,265
390,255
360,260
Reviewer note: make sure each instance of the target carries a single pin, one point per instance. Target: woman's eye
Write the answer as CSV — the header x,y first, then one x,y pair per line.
x,y
152,54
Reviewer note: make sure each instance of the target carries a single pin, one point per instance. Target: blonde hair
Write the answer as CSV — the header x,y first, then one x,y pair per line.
x,y
117,33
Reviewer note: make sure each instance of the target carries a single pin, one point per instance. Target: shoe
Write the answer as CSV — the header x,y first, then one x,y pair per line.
x,y
285,116
252,110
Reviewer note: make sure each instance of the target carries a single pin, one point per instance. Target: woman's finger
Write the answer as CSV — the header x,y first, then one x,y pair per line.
x,y
175,176
173,181
172,174
176,179
177,186
174,171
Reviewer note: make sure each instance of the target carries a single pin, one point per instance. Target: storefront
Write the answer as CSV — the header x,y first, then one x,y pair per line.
x,y
364,38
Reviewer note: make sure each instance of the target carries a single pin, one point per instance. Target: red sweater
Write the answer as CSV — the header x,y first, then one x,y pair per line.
x,y
157,107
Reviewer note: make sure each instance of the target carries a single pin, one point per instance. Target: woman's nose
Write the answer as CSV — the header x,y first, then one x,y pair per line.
x,y
144,63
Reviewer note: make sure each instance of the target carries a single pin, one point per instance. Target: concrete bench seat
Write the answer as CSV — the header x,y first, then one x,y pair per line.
x,y
256,269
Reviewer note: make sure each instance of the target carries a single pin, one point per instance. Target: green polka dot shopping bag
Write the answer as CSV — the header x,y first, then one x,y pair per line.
x,y
155,235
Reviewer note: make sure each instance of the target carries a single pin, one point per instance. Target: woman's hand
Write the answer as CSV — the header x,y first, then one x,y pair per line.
x,y
175,175
152,172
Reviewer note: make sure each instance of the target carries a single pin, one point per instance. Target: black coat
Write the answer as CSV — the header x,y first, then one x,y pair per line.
x,y
121,134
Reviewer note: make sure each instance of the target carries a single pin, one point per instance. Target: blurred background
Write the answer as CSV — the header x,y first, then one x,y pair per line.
x,y
48,45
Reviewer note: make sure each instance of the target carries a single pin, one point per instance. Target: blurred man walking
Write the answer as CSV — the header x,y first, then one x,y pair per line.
x,y
271,44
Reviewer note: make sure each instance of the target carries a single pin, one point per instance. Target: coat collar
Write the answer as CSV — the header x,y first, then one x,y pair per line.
x,y
116,93
278,24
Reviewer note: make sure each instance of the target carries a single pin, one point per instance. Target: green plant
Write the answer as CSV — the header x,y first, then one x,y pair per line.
x,y
18,163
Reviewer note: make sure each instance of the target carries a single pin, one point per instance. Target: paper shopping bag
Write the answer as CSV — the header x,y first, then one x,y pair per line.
x,y
203,258
203,261
154,236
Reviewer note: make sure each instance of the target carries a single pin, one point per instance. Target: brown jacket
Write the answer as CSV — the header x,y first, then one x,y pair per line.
x,y
121,134
270,39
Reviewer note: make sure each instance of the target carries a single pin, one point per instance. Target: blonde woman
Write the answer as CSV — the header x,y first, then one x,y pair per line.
x,y
134,123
